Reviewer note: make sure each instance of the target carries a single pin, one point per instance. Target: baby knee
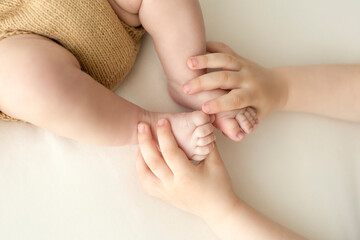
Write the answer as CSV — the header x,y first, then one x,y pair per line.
x,y
130,6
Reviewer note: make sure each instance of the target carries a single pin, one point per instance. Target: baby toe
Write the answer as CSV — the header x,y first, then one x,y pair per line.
x,y
206,140
204,130
246,121
204,150
200,118
253,114
230,127
198,157
247,115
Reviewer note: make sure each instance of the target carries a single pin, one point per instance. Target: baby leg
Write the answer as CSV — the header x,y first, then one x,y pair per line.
x,y
177,29
41,82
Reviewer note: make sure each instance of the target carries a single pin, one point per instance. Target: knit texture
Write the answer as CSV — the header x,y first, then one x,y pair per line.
x,y
105,46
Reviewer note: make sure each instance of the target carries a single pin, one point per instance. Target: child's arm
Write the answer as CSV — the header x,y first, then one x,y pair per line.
x,y
204,189
328,90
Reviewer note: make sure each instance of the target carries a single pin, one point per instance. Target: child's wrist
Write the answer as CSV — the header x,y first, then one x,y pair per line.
x,y
283,87
226,220
221,211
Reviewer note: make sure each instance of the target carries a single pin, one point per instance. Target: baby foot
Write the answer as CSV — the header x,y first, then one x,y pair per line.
x,y
236,124
193,132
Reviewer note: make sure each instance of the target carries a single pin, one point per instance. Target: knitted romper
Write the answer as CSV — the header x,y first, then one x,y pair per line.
x,y
90,29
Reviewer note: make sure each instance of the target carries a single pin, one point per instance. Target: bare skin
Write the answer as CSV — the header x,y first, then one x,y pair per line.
x,y
234,124
326,90
42,83
204,190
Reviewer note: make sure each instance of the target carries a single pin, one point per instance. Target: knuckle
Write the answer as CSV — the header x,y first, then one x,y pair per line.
x,y
204,60
228,59
237,100
216,105
198,82
224,76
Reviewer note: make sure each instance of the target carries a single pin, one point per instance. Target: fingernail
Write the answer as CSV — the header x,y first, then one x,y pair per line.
x,y
206,108
212,118
161,122
194,62
240,136
187,88
141,128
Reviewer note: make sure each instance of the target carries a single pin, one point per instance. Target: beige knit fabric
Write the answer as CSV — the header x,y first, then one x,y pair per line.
x,y
90,29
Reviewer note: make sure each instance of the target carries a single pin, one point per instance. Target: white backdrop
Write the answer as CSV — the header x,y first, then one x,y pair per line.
x,y
301,170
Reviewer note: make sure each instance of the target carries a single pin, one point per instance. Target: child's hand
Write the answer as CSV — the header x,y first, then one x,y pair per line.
x,y
203,189
249,84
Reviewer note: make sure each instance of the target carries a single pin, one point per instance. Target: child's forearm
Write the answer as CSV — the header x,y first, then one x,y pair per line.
x,y
328,90
244,222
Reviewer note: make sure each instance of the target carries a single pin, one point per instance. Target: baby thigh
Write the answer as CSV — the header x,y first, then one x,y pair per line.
x,y
31,72
42,83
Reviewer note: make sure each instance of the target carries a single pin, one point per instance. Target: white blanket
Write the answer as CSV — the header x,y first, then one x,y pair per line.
x,y
301,170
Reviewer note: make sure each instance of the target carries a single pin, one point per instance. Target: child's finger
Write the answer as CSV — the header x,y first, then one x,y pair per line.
x,y
215,80
173,155
215,60
219,47
149,181
228,102
151,154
